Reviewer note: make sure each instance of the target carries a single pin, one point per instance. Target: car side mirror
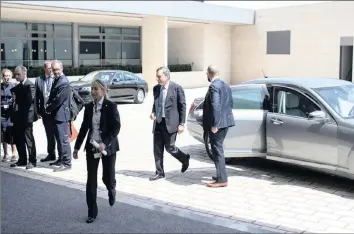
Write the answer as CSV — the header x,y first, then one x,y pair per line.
x,y
115,80
318,116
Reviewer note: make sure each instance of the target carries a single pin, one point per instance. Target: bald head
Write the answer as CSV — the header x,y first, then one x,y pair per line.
x,y
213,71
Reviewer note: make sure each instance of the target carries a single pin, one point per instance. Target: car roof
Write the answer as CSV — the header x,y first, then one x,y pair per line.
x,y
111,71
303,82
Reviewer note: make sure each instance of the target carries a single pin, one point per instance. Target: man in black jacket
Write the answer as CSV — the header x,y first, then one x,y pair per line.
x,y
58,107
24,116
217,118
169,115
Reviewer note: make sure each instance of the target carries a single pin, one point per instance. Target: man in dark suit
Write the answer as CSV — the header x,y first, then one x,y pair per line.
x,y
58,107
23,117
43,86
217,118
169,115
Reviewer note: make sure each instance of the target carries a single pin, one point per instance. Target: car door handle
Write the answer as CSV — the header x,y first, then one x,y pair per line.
x,y
276,121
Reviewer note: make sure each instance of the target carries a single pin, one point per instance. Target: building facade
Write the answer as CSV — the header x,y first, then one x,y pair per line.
x,y
314,40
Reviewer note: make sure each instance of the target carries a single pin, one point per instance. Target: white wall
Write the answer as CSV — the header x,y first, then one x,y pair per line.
x,y
185,46
315,41
217,49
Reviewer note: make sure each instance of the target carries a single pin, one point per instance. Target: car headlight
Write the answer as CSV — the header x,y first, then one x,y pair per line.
x,y
87,89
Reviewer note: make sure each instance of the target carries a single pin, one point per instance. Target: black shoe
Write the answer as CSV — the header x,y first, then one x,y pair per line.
x,y
156,177
17,164
56,163
214,178
62,168
31,165
48,158
90,219
112,197
185,165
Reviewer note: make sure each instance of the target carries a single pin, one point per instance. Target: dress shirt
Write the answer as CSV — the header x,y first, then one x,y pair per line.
x,y
96,118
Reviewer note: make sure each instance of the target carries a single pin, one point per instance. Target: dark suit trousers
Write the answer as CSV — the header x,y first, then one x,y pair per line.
x,y
217,148
108,178
164,139
23,136
62,138
49,126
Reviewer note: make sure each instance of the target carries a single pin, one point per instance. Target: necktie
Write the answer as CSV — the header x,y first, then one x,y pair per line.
x,y
160,106
49,84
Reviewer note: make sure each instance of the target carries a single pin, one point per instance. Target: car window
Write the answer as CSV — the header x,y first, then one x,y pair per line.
x,y
118,77
247,98
291,102
129,76
104,76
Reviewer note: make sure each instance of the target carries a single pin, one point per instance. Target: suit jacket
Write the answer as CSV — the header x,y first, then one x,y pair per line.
x,y
217,107
58,104
175,106
39,84
109,127
24,100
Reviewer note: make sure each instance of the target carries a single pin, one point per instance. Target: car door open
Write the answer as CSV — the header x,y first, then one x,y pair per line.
x,y
247,137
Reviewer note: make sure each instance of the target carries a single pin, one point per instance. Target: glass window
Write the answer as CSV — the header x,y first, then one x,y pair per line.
x,y
90,53
339,98
291,102
105,76
130,50
111,50
133,31
41,27
41,50
63,49
9,29
110,30
88,30
62,31
247,99
14,51
128,76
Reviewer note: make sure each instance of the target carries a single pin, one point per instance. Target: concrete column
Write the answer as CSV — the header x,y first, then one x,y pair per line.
x,y
154,47
75,44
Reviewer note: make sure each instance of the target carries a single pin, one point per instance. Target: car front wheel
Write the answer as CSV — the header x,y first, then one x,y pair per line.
x,y
139,96
208,149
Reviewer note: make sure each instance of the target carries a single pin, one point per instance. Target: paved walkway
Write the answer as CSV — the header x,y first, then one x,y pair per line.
x,y
32,206
263,195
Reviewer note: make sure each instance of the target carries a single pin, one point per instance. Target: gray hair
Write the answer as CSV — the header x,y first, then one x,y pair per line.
x,y
47,62
212,70
23,69
165,71
59,62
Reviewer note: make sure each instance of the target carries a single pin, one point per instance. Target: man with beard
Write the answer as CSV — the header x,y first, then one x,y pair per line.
x,y
58,107
217,118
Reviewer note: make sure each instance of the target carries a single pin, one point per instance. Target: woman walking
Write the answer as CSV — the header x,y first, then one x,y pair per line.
x,y
6,112
102,122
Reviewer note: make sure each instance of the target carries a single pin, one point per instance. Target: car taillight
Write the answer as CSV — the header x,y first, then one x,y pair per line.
x,y
192,107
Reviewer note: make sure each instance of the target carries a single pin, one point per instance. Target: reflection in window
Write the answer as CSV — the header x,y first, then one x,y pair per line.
x,y
131,50
111,50
41,50
63,49
247,99
89,30
90,53
63,31
14,51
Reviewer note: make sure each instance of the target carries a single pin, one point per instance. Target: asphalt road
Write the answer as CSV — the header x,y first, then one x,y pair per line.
x,y
31,206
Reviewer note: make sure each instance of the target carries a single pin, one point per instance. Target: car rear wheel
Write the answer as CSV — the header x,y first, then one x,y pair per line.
x,y
208,149
139,96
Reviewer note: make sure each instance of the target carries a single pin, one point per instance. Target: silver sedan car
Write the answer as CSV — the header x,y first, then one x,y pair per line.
x,y
308,122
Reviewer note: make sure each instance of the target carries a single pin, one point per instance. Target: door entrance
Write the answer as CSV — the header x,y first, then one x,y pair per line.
x,y
346,59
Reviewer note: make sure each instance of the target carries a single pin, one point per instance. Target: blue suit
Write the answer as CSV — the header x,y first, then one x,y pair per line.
x,y
58,107
217,112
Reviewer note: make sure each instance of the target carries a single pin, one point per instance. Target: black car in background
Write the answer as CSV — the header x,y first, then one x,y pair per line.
x,y
122,85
